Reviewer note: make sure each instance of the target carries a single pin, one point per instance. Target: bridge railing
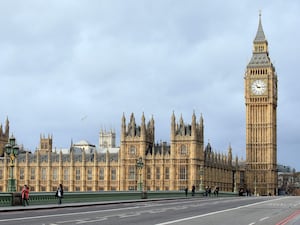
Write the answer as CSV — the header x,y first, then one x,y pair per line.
x,y
44,198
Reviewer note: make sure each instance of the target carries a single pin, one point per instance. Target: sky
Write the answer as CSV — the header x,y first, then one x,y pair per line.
x,y
71,68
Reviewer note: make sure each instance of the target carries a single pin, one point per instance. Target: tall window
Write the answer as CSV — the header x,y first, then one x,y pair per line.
x,y
54,174
167,173
182,173
183,150
21,173
132,150
101,173
89,174
66,174
32,174
148,173
132,173
44,175
1,174
105,145
157,173
77,174
113,174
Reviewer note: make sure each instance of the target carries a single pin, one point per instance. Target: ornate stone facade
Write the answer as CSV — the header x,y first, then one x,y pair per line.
x,y
183,163
175,166
261,121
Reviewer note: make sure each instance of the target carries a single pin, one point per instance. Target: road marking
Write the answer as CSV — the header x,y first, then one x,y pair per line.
x,y
91,221
251,223
126,208
64,214
265,218
216,212
289,218
158,210
129,214
72,221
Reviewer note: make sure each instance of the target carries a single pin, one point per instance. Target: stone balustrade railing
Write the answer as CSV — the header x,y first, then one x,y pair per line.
x,y
43,198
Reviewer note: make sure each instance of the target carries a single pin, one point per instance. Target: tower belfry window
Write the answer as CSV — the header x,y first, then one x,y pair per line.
x,y
261,48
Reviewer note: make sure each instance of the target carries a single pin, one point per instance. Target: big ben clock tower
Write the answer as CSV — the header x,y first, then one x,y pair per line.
x,y
261,127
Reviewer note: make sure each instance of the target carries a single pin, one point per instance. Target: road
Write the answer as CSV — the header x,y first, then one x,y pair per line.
x,y
189,211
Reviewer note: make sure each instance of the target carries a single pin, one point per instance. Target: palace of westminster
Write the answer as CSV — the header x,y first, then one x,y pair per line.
x,y
165,167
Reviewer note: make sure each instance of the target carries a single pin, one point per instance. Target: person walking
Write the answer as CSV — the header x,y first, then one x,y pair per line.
x,y
25,195
216,191
193,190
59,193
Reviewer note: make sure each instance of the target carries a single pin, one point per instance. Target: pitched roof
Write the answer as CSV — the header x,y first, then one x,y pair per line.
x,y
260,59
260,35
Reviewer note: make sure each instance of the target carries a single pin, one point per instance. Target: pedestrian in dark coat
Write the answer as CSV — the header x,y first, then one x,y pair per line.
x,y
186,192
193,190
59,193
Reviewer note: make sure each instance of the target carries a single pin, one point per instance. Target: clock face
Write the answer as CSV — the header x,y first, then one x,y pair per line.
x,y
258,87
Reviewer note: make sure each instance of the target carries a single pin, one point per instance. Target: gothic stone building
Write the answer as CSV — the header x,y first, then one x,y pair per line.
x,y
183,163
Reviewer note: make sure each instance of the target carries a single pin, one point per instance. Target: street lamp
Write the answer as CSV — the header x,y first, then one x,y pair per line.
x,y
201,172
12,150
140,165
234,180
255,188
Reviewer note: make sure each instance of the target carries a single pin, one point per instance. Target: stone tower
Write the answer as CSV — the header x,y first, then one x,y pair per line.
x,y
261,131
107,139
136,142
4,135
187,153
45,143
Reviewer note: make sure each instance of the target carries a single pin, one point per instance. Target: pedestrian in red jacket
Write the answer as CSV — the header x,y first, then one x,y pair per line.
x,y
25,195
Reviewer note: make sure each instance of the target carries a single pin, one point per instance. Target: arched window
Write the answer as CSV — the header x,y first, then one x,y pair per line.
x,y
183,150
132,150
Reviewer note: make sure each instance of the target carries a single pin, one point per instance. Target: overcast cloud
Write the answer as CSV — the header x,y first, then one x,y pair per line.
x,y
70,68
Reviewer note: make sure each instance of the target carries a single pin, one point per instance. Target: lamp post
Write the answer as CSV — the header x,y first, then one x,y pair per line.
x,y
201,172
234,184
255,188
140,165
12,150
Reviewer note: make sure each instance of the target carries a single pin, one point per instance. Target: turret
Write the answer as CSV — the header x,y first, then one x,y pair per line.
x,y
123,128
143,127
201,127
7,127
132,126
194,124
151,128
229,155
173,126
181,128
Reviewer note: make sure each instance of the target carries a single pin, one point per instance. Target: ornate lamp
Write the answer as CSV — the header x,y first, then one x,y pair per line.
x,y
12,150
140,165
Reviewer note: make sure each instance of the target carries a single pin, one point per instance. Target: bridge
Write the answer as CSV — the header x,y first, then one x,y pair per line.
x,y
44,198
